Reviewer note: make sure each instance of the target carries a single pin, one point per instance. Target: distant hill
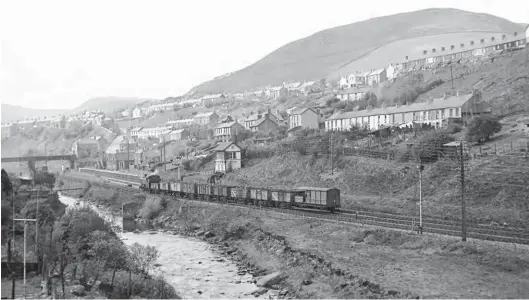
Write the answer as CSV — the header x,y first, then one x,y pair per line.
x,y
109,103
15,112
106,104
325,52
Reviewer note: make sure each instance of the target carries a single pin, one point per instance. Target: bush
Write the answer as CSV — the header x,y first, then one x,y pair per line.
x,y
454,128
431,144
482,128
151,208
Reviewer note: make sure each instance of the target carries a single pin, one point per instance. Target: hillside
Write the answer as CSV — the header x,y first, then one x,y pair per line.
x,y
106,104
321,54
15,112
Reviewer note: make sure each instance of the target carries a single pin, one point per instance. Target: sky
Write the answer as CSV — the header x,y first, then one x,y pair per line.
x,y
58,54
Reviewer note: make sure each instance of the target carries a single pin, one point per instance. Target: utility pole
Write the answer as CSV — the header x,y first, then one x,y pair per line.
x,y
420,167
25,243
451,76
332,159
46,153
463,213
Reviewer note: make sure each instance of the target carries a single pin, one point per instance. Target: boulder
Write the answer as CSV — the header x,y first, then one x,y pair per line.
x,y
77,290
209,234
270,279
259,291
200,233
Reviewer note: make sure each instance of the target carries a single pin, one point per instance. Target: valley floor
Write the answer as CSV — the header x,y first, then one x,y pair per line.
x,y
371,262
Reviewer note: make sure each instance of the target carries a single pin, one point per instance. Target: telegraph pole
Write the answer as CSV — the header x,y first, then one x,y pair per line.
x,y
451,76
25,243
332,159
463,213
420,167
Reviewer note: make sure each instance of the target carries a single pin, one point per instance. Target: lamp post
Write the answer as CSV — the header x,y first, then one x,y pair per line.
x,y
25,242
420,167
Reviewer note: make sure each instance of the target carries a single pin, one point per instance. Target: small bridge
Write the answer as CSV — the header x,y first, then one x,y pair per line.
x,y
68,157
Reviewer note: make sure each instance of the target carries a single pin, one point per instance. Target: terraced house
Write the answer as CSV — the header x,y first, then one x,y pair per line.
x,y
227,131
436,112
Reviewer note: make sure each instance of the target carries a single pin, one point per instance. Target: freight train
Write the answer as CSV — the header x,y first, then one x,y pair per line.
x,y
301,197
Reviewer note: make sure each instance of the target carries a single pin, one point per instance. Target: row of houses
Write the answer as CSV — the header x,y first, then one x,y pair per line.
x,y
435,112
356,84
485,46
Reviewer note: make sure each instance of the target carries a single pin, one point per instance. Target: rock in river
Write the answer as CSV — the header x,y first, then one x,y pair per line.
x,y
270,279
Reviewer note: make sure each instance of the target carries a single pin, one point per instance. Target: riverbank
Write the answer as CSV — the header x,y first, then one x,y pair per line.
x,y
315,259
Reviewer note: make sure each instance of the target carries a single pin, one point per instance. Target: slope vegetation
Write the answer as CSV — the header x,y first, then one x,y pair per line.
x,y
326,51
495,188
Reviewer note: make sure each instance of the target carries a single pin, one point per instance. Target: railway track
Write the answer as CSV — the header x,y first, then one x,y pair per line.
x,y
435,225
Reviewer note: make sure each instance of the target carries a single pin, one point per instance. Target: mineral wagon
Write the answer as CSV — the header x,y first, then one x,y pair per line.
x,y
204,191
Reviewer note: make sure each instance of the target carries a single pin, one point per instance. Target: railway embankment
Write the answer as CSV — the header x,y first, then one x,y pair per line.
x,y
309,258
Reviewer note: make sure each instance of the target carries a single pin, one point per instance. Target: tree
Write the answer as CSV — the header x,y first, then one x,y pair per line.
x,y
140,259
431,143
7,187
482,128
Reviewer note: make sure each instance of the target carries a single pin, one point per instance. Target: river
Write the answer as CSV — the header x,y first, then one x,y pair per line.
x,y
190,265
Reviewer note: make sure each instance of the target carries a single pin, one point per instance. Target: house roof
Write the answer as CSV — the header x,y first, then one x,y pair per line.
x,y
177,131
201,115
87,141
439,103
114,146
136,129
300,111
226,125
223,146
264,119
314,188
354,90
377,71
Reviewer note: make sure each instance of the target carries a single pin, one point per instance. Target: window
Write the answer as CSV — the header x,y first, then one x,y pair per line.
x,y
452,47
471,43
442,48
424,52
457,112
406,57
492,39
433,50
462,45
482,41
232,155
451,112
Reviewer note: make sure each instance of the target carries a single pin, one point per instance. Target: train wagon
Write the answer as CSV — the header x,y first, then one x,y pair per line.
x,y
284,198
204,191
175,188
154,187
164,188
240,194
255,196
315,197
222,192
264,198
189,189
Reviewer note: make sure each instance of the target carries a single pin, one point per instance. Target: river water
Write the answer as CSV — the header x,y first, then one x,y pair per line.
x,y
190,265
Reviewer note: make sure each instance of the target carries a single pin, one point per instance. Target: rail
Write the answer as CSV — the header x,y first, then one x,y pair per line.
x,y
435,225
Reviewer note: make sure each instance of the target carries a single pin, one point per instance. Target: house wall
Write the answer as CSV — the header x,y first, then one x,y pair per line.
x,y
267,125
309,119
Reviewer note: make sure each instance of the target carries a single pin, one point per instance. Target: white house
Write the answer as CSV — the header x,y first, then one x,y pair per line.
x,y
304,118
527,34
136,112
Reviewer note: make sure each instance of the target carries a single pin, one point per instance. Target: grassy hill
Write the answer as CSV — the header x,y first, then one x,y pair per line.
x,y
327,51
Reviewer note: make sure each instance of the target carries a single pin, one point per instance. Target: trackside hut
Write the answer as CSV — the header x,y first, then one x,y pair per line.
x,y
435,112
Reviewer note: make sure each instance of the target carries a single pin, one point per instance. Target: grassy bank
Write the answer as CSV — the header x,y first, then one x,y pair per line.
x,y
495,187
326,260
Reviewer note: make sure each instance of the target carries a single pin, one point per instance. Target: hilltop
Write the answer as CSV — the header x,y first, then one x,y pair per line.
x,y
327,51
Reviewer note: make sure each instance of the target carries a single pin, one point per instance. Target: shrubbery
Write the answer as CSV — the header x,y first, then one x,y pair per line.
x,y
151,208
431,144
481,128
